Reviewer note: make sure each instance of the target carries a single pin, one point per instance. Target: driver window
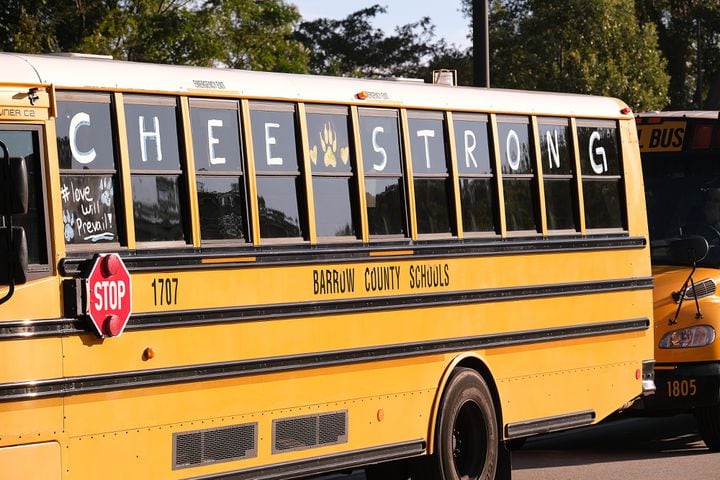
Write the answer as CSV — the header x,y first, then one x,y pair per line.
x,y
24,141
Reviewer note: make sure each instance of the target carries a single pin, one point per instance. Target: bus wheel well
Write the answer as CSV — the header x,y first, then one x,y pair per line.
x,y
479,366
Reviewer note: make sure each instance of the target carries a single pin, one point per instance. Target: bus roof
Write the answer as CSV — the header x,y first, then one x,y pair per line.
x,y
101,73
706,114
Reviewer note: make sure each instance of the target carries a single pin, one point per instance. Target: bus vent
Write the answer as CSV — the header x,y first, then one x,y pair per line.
x,y
299,433
214,445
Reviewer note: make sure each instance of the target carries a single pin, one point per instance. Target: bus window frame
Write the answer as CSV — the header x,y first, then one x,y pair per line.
x,y
575,177
165,100
264,105
585,122
520,119
396,114
479,117
120,244
447,177
225,104
339,110
39,270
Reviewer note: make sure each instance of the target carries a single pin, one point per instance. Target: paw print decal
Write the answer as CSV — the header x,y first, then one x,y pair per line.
x,y
106,190
329,146
68,221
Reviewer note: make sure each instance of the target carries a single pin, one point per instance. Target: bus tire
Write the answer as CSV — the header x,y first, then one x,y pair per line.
x,y
708,419
466,434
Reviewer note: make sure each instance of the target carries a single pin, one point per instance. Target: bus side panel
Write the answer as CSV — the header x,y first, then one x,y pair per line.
x,y
40,461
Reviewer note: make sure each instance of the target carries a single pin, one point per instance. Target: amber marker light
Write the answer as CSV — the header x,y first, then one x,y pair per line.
x,y
362,95
149,353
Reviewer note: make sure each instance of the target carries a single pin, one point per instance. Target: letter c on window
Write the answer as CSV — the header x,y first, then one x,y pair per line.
x,y
80,119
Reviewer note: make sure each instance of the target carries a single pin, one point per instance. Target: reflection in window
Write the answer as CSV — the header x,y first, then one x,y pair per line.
x,y
279,184
558,174
430,172
332,166
518,174
601,174
219,169
382,164
88,168
476,170
155,168
25,144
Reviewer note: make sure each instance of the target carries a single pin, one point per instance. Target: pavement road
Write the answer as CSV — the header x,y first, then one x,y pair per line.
x,y
665,448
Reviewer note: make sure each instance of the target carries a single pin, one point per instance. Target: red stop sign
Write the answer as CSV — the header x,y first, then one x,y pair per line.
x,y
108,297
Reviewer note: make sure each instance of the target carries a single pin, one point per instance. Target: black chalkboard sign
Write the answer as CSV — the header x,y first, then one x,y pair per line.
x,y
88,209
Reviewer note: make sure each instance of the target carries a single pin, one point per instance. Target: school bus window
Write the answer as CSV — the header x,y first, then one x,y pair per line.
x,y
476,171
601,174
382,164
521,210
430,172
88,168
25,142
558,165
331,163
155,167
219,169
279,183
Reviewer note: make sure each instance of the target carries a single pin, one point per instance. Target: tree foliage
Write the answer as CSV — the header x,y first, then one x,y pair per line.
x,y
689,34
353,47
594,47
252,34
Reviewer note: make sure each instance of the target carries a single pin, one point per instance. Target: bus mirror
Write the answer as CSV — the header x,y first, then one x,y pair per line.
x,y
13,256
13,186
689,250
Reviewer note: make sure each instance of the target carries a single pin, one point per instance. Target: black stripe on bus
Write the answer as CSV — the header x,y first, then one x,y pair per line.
x,y
324,463
188,259
330,307
549,424
15,330
195,373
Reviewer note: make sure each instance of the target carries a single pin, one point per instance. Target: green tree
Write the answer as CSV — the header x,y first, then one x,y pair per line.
x,y
594,47
253,34
353,47
689,34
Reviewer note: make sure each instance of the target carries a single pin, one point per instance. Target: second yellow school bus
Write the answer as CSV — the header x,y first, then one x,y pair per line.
x,y
215,274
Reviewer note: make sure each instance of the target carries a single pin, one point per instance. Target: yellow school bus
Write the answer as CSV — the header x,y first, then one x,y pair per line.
x,y
216,274
682,180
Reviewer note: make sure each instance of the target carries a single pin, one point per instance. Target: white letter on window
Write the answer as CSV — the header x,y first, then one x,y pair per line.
x,y
271,141
553,149
513,162
379,167
153,134
598,168
214,141
425,134
81,119
470,148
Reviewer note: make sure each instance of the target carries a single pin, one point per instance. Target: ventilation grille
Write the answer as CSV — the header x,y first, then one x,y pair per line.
x,y
704,288
299,433
203,447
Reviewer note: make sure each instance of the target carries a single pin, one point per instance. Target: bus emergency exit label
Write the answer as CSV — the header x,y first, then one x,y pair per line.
x,y
662,137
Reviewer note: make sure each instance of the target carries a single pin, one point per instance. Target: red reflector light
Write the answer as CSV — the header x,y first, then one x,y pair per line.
x,y
702,134
626,110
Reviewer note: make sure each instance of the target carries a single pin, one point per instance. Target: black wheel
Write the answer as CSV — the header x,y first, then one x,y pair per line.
x,y
466,437
708,419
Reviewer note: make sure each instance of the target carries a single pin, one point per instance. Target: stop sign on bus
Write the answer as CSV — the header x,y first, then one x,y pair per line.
x,y
108,298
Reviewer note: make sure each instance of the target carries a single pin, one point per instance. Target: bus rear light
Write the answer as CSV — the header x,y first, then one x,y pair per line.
x,y
701,137
691,337
626,111
361,95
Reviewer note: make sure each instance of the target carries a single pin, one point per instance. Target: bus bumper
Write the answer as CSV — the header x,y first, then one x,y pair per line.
x,y
683,387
